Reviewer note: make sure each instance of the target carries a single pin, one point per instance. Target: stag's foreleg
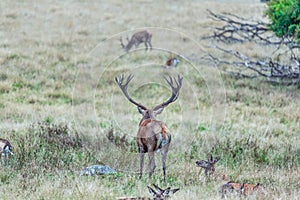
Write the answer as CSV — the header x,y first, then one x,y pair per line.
x,y
149,42
145,42
150,45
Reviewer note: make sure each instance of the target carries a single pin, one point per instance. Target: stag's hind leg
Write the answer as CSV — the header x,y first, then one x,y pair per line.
x,y
152,165
142,155
164,153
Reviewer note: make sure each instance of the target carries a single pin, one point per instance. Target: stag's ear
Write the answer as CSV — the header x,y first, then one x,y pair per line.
x,y
158,189
166,192
151,191
141,110
174,190
212,160
158,111
215,160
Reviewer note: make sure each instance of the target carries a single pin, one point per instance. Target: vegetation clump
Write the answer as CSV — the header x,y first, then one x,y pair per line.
x,y
285,18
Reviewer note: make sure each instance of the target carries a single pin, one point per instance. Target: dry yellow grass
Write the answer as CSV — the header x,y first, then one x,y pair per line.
x,y
58,61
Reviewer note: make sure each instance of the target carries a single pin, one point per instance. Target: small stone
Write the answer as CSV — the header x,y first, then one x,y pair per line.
x,y
97,170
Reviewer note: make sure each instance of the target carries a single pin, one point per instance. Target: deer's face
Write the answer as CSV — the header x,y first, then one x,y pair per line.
x,y
175,62
209,164
161,194
9,149
148,113
5,148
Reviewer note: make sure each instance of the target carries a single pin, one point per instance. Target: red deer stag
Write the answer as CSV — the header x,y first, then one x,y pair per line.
x,y
137,39
153,135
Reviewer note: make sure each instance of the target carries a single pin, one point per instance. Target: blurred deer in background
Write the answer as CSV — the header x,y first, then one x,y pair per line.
x,y
137,39
153,135
5,148
157,193
172,62
208,165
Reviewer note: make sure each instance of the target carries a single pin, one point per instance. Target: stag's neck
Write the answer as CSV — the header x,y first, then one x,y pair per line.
x,y
144,121
148,116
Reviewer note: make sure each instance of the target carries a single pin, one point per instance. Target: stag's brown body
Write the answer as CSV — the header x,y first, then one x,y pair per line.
x,y
137,39
153,135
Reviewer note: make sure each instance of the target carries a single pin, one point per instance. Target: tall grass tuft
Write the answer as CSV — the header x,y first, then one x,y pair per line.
x,y
49,147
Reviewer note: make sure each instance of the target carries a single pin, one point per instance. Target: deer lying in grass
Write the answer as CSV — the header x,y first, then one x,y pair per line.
x,y
5,148
137,39
231,187
153,135
241,188
157,193
209,166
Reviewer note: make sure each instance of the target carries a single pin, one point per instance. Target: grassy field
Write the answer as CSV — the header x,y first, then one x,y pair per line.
x,y
59,101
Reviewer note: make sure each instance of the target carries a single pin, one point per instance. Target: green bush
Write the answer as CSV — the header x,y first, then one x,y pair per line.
x,y
285,18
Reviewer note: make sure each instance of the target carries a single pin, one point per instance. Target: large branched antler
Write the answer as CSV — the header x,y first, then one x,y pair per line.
x,y
175,85
120,81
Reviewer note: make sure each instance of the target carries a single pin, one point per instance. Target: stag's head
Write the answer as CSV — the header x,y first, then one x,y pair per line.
x,y
151,113
125,47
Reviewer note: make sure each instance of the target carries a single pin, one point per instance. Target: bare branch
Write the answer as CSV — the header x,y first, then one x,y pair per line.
x,y
238,29
270,69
